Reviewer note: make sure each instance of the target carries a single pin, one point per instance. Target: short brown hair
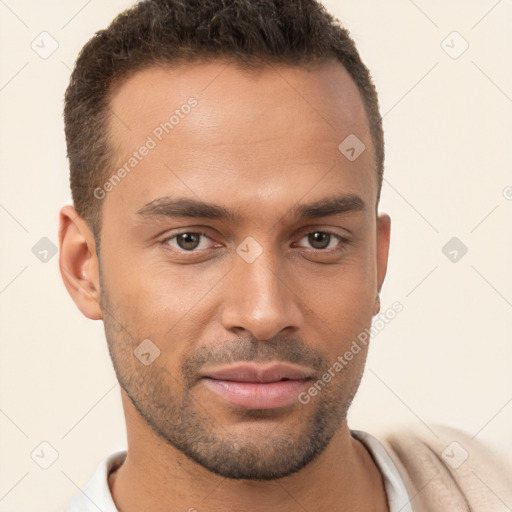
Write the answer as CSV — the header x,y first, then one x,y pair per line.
x,y
168,32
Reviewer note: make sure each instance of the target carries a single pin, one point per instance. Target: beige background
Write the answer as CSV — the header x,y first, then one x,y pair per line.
x,y
448,121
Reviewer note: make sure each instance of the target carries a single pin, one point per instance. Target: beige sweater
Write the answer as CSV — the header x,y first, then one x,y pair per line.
x,y
452,472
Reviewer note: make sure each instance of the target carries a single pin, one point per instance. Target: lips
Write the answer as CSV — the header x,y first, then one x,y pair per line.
x,y
258,387
259,374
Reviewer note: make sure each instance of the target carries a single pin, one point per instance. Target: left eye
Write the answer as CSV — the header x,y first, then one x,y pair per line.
x,y
322,240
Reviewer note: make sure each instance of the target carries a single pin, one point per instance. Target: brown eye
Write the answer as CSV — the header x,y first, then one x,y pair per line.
x,y
188,241
319,239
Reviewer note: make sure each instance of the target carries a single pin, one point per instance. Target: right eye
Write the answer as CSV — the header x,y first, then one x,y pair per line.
x,y
187,241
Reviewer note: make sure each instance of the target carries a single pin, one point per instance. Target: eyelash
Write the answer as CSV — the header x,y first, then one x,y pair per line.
x,y
344,241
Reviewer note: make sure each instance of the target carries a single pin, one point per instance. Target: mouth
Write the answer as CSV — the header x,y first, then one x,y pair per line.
x,y
258,387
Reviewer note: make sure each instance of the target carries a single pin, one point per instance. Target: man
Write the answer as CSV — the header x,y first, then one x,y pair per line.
x,y
226,165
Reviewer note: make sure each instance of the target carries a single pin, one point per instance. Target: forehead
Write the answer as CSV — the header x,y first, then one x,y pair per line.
x,y
213,127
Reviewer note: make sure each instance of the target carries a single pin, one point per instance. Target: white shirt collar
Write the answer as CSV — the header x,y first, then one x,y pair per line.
x,y
398,498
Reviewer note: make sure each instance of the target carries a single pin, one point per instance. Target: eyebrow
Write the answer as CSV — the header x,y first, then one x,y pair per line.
x,y
192,208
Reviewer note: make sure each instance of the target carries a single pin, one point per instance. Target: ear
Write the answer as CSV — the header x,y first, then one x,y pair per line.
x,y
78,262
383,238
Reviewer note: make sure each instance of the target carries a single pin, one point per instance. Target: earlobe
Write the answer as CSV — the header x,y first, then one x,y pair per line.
x,y
78,262
383,240
376,307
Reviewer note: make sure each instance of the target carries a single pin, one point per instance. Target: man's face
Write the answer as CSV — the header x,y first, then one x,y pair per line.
x,y
263,148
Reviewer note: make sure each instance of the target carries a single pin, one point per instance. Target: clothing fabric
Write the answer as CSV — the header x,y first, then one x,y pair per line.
x,y
441,469
398,498
448,469
96,496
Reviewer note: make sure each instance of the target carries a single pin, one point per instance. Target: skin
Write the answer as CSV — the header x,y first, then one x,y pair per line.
x,y
257,144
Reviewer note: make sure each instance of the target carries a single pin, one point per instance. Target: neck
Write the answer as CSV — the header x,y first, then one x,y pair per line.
x,y
155,476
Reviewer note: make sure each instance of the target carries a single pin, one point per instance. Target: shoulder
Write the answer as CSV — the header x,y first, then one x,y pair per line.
x,y
448,468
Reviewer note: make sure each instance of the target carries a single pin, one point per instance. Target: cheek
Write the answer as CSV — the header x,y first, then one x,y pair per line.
x,y
342,301
163,302
347,319
351,281
135,281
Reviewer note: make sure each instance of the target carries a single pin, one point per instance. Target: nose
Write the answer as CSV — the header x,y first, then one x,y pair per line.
x,y
260,299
